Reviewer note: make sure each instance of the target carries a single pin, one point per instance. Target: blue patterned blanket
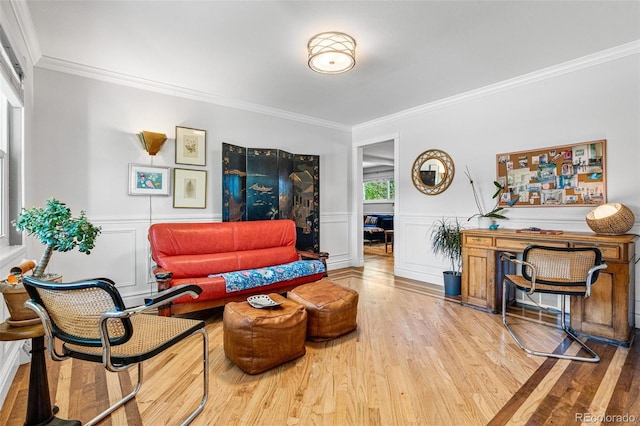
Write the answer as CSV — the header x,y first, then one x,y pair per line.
x,y
250,278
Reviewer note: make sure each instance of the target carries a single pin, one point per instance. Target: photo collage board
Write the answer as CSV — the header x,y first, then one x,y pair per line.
x,y
570,175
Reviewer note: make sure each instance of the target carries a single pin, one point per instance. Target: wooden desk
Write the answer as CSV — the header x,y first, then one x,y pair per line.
x,y
39,409
608,314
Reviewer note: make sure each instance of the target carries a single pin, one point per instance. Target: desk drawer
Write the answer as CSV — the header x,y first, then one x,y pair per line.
x,y
611,252
476,241
520,245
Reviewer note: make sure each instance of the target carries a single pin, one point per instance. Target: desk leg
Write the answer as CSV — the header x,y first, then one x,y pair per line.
x,y
39,411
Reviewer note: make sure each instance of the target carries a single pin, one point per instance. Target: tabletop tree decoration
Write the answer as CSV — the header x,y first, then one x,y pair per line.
x,y
58,230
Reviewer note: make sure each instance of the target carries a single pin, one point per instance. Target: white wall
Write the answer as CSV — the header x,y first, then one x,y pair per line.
x,y
377,208
84,139
601,101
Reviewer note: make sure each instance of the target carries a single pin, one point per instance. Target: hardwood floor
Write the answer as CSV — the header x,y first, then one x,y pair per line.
x,y
415,359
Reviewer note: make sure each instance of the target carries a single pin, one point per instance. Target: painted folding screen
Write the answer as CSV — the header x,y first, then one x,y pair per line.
x,y
262,184
234,183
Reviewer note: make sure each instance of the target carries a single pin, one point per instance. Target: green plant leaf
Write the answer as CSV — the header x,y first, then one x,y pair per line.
x,y
57,229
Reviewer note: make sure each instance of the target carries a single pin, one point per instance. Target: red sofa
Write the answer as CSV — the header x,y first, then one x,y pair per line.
x,y
189,253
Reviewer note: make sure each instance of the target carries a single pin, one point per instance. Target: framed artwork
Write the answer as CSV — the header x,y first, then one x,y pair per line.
x,y
189,188
148,180
568,175
191,146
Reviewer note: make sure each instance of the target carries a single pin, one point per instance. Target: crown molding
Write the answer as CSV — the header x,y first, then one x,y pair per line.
x,y
23,16
183,92
27,30
624,50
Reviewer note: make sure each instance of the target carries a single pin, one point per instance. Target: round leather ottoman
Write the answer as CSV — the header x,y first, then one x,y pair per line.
x,y
331,309
259,339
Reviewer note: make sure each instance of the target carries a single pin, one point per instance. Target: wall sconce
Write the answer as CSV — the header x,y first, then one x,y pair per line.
x,y
332,52
611,218
151,142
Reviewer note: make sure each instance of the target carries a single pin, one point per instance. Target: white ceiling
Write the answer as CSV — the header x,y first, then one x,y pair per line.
x,y
378,157
253,53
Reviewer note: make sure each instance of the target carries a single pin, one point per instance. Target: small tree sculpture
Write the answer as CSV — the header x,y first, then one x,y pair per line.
x,y
54,226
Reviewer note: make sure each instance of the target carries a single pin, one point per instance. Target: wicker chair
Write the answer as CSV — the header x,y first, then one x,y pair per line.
x,y
90,319
562,271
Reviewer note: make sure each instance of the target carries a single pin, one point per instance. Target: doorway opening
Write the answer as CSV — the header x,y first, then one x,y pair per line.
x,y
378,203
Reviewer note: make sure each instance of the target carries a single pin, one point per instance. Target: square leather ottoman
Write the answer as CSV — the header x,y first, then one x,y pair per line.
x,y
259,339
331,308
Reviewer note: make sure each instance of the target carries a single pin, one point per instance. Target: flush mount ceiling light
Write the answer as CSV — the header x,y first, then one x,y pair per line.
x,y
332,52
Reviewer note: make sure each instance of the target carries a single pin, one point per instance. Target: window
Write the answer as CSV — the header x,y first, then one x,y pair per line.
x,y
4,175
11,131
379,190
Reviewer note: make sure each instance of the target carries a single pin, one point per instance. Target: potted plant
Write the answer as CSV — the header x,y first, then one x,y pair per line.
x,y
446,239
58,230
486,218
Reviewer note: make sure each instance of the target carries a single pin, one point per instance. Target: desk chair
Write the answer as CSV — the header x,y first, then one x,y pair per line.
x,y
91,321
562,271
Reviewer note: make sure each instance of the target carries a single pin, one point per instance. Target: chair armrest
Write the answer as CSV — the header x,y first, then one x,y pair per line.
x,y
590,274
170,294
162,274
505,255
311,255
163,278
321,256
513,259
160,299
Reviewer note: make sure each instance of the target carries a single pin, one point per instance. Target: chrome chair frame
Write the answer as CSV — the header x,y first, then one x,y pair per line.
x,y
106,341
530,273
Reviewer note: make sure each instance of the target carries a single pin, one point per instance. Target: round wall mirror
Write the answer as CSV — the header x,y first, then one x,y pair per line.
x,y
432,172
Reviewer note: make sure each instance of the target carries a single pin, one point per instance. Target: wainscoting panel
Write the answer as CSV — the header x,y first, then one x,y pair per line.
x,y
114,257
334,239
414,258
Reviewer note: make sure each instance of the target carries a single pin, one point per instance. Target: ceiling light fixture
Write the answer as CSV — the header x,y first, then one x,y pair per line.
x,y
332,52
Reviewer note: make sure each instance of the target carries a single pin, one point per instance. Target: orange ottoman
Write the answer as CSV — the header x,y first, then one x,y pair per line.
x,y
331,309
259,339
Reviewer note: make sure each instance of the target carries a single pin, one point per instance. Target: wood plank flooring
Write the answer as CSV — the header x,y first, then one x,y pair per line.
x,y
415,359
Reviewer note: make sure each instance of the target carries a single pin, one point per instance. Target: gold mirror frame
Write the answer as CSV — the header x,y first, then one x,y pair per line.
x,y
445,181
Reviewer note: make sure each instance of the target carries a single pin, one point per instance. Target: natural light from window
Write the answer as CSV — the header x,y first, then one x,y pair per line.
x,y
379,190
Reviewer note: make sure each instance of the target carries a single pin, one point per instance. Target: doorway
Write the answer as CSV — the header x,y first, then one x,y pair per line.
x,y
378,202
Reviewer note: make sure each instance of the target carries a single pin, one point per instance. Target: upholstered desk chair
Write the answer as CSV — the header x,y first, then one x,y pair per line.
x,y
91,321
562,271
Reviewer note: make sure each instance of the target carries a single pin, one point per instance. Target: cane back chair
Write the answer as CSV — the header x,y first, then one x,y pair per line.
x,y
556,270
92,323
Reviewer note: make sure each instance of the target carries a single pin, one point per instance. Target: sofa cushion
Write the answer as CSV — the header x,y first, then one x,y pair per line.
x,y
200,249
371,220
215,288
251,278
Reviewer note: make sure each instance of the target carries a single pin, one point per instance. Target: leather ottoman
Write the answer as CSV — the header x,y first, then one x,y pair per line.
x,y
259,339
331,309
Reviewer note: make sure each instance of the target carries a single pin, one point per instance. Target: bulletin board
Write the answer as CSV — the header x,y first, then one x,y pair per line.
x,y
569,175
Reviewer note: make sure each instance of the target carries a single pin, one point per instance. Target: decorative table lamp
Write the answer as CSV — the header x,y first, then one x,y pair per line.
x,y
611,219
